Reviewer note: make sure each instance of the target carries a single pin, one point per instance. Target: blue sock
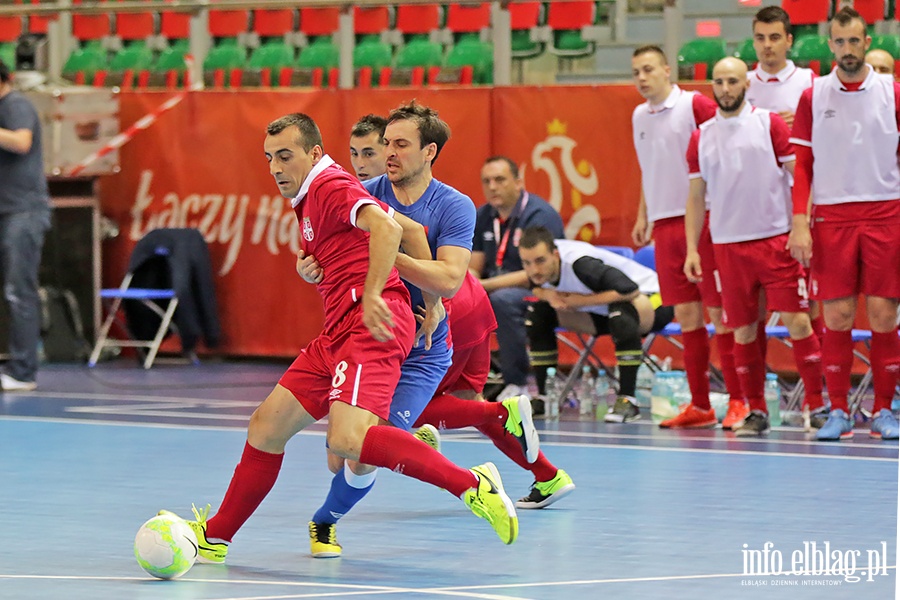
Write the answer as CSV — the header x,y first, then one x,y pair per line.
x,y
346,490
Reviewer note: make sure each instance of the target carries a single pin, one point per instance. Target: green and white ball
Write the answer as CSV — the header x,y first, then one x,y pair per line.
x,y
165,546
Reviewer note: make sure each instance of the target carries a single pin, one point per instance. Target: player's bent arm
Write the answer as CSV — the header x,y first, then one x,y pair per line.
x,y
507,280
384,241
17,141
600,298
442,276
476,264
414,242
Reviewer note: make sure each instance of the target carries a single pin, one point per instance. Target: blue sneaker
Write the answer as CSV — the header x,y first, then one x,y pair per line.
x,y
837,427
885,426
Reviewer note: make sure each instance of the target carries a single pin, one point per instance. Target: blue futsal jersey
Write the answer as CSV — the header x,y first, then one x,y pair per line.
x,y
449,220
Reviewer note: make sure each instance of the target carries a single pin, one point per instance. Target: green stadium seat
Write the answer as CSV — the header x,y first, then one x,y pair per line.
x,y
85,62
223,60
812,51
419,51
890,43
8,54
136,56
746,52
697,58
475,53
370,51
524,17
321,53
266,63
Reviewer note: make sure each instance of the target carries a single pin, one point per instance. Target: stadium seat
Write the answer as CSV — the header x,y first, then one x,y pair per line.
x,y
890,43
37,24
223,64
228,23
472,53
415,23
746,52
175,25
90,27
873,11
697,58
812,51
371,51
266,62
133,26
466,22
320,52
566,21
273,23
83,63
525,17
10,30
807,12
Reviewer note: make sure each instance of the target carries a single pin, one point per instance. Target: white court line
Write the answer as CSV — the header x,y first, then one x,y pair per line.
x,y
142,398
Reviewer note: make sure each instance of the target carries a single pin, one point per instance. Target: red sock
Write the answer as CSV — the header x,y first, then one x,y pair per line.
x,y
762,340
696,366
818,327
397,450
449,412
808,357
253,478
837,359
752,373
885,356
542,468
725,344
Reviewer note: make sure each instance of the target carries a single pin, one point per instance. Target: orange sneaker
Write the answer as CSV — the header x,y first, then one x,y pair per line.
x,y
692,418
737,412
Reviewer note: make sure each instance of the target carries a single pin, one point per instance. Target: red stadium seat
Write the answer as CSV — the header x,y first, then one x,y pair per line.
x,y
134,26
566,20
273,23
315,22
371,21
228,23
469,18
524,15
10,28
807,12
175,25
418,19
90,27
37,24
871,10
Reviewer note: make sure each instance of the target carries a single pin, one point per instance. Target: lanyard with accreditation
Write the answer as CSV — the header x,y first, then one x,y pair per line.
x,y
502,244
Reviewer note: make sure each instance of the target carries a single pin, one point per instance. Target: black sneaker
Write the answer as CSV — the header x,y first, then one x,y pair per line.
x,y
756,423
815,420
624,411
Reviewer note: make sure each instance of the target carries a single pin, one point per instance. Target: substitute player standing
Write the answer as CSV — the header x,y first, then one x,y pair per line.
x,y
662,129
846,136
740,162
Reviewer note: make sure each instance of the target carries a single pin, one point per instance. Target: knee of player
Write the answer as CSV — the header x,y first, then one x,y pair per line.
x,y
335,462
346,442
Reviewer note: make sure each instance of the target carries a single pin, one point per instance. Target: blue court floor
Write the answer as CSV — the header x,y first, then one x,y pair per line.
x,y
92,454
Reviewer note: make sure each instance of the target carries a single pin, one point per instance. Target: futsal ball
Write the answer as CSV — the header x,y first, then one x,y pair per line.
x,y
165,546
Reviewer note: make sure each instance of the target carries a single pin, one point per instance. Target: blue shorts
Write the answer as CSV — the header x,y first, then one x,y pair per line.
x,y
420,376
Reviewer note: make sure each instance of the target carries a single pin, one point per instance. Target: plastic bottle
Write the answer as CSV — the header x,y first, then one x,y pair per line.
x,y
681,392
644,389
773,399
661,398
551,399
586,391
601,395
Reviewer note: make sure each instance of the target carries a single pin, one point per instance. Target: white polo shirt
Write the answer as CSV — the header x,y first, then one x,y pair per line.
x,y
779,92
740,159
661,135
853,136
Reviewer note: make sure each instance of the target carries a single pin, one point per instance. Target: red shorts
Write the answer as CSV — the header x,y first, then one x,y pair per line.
x,y
349,365
469,369
671,252
854,257
746,267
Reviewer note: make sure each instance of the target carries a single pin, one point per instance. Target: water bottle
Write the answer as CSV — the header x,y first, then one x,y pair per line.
x,y
666,364
551,401
644,385
661,398
773,399
586,392
601,395
681,391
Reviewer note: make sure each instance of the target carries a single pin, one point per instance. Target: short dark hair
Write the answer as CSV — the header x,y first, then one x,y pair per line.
x,y
369,124
773,14
845,16
432,129
513,167
5,73
651,48
533,236
310,136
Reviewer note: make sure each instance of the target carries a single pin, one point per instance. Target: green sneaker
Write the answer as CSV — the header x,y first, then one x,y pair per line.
x,y
207,552
491,503
430,435
323,540
520,424
545,493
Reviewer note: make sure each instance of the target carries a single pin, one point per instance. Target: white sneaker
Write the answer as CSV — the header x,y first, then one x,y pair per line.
x,y
10,384
510,391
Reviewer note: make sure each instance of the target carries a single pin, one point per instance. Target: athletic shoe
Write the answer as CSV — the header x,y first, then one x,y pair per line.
x,y
537,406
885,426
737,412
837,427
11,384
429,434
510,391
521,426
491,503
624,411
756,423
545,493
207,552
692,418
816,419
323,540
